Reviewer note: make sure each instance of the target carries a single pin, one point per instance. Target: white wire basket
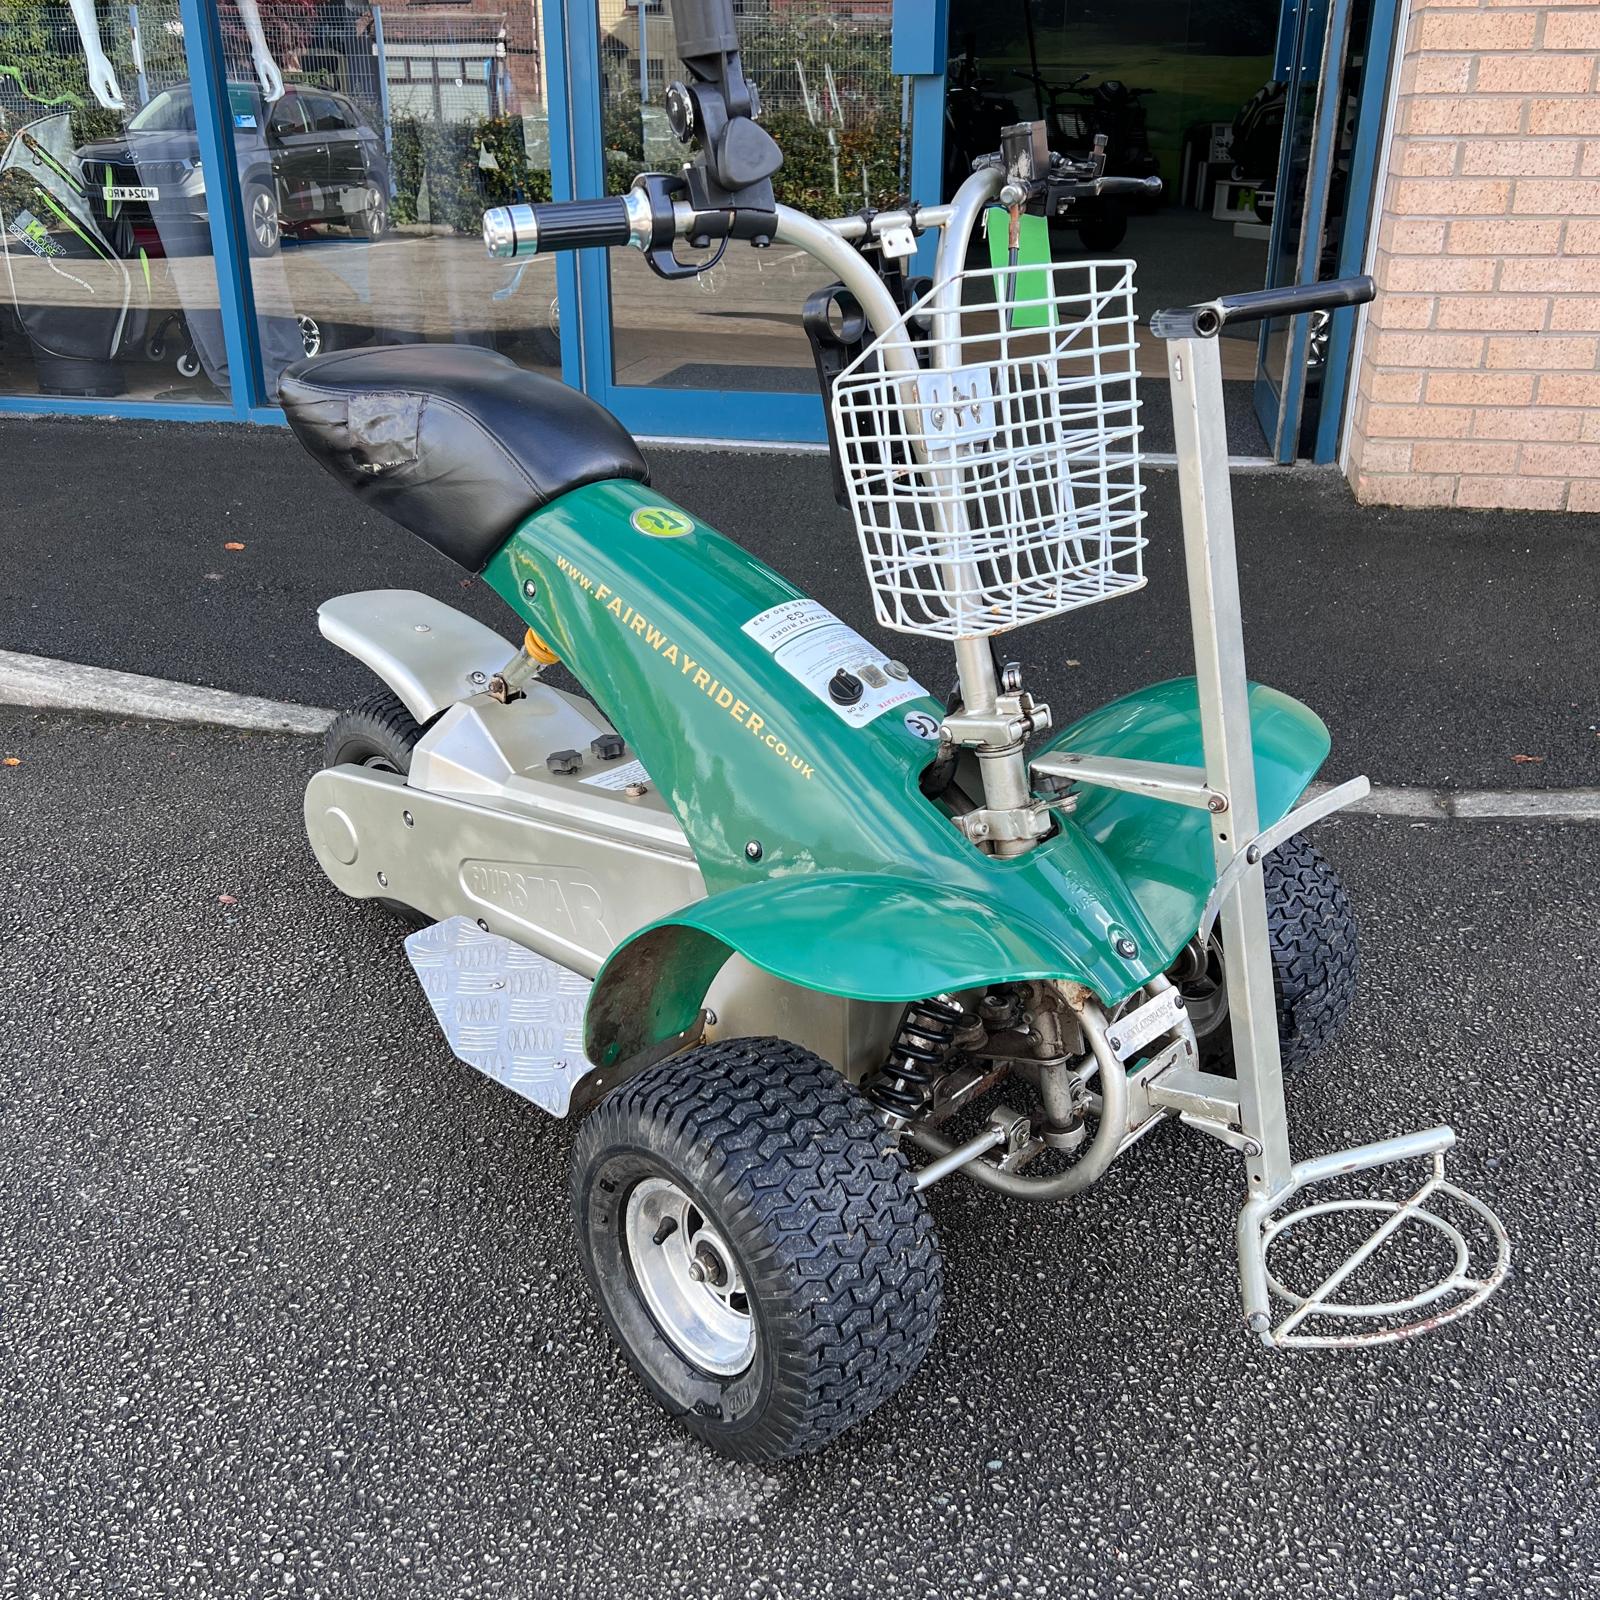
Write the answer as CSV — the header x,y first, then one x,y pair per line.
x,y
989,446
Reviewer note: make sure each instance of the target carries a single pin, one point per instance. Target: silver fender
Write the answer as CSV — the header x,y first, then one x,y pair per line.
x,y
430,654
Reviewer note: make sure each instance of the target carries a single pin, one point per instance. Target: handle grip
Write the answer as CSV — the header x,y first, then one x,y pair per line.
x,y
510,231
1138,186
1205,322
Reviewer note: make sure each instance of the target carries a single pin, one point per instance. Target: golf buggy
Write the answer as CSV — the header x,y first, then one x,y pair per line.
x,y
797,938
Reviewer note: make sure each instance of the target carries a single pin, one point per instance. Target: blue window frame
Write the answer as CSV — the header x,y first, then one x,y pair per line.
x,y
583,281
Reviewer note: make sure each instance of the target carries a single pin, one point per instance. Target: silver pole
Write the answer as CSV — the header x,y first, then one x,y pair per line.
x,y
1004,770
1194,367
137,40
383,94
644,64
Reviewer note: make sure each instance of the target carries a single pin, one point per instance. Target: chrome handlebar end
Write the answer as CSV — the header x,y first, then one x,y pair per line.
x,y
510,231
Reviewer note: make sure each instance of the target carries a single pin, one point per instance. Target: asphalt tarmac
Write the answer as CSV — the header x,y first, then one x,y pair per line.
x,y
1439,646
288,1303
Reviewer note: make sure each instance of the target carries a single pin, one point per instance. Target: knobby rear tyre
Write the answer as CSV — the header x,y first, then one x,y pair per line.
x,y
378,733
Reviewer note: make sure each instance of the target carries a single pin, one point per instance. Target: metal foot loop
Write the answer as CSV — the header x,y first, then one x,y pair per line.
x,y
1461,1289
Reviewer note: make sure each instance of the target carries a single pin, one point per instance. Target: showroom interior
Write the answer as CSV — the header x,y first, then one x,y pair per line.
x,y
196,193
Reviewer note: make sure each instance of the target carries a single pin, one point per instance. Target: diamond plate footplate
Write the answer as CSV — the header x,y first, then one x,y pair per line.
x,y
512,1014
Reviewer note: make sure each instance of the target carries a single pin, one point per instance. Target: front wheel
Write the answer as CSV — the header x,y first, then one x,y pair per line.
x,y
756,1244
371,221
1312,929
263,221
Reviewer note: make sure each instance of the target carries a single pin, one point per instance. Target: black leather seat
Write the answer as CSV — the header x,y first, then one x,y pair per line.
x,y
455,442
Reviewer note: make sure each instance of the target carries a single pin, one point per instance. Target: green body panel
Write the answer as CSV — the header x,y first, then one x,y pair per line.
x,y
861,887
1163,852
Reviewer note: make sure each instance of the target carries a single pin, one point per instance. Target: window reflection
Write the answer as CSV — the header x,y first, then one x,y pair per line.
x,y
842,119
107,288
395,127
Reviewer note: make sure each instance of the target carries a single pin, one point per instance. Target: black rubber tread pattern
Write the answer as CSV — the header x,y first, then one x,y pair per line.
x,y
836,1247
379,725
1315,954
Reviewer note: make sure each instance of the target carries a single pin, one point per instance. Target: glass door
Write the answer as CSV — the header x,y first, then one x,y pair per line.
x,y
108,287
1312,66
725,354
367,140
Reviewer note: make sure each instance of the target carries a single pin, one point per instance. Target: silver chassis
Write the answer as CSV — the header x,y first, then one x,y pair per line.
x,y
481,829
568,870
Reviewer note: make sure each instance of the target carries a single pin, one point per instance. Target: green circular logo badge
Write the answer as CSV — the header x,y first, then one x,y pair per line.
x,y
662,522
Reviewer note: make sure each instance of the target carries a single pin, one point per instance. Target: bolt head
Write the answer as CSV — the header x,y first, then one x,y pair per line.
x,y
1126,948
477,677
697,1273
753,850
1217,803
530,590
409,820
383,880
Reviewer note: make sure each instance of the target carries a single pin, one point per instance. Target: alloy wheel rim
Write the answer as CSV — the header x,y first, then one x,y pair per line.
x,y
264,219
688,1278
1202,981
310,335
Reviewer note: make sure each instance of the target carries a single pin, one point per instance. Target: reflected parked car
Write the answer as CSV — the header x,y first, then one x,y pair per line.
x,y
308,157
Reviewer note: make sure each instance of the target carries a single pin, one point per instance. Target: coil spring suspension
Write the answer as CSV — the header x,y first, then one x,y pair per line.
x,y
902,1087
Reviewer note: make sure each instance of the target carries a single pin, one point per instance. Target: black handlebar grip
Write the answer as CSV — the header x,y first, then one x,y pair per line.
x,y
1204,322
1150,187
560,225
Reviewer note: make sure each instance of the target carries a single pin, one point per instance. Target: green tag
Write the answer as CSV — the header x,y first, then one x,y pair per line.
x,y
1031,289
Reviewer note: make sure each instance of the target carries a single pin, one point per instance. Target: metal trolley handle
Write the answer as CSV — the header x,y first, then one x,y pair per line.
x,y
1259,305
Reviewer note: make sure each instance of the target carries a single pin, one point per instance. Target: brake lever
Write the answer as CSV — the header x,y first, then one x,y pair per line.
x,y
663,261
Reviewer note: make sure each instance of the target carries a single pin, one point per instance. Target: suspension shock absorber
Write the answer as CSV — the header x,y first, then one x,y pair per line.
x,y
902,1088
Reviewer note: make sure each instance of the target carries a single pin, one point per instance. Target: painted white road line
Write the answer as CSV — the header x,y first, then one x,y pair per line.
x,y
1392,802
66,686
1476,805
1530,805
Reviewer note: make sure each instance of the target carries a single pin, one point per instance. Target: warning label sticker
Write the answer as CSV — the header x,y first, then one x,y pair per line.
x,y
843,670
618,777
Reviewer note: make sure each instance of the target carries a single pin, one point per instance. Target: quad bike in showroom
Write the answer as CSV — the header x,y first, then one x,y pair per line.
x,y
796,937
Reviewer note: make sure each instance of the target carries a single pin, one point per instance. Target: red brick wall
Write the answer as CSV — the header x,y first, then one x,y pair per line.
x,y
1479,380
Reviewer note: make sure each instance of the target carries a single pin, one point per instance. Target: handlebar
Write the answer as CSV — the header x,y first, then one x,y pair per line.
x,y
510,231
1137,186
1257,305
